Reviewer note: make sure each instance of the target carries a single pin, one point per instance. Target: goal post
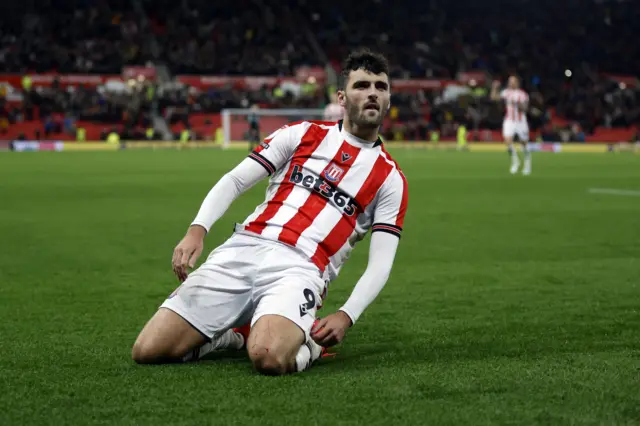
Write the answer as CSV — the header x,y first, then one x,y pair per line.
x,y
235,121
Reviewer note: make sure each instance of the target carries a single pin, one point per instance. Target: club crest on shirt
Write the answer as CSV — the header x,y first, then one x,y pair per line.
x,y
333,173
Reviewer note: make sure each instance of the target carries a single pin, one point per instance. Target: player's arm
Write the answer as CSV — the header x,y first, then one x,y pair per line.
x,y
226,190
496,94
215,204
523,105
272,154
386,232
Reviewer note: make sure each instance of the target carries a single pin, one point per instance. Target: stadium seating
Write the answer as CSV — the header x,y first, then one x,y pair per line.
x,y
581,81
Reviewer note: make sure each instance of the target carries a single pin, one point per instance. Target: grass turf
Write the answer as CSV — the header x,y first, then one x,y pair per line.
x,y
513,300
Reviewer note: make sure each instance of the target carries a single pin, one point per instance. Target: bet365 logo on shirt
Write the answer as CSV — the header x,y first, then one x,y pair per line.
x,y
325,189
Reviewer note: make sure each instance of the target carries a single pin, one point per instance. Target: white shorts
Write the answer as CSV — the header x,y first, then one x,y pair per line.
x,y
511,128
242,280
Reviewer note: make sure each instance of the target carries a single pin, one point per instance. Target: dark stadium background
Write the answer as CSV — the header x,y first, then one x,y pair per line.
x,y
513,300
198,57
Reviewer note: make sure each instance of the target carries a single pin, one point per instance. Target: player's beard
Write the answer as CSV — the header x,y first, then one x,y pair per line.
x,y
360,116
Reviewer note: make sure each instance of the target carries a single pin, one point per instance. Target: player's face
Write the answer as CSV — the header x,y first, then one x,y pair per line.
x,y
366,98
513,82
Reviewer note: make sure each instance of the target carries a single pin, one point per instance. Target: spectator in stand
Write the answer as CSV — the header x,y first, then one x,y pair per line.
x,y
560,48
577,135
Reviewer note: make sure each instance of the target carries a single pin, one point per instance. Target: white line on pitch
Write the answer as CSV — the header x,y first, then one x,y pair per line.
x,y
610,191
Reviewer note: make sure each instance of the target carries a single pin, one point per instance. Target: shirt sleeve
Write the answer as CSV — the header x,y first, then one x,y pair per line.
x,y
503,94
391,206
381,256
229,187
274,152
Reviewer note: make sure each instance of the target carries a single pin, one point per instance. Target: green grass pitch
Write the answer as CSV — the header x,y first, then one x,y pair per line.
x,y
513,300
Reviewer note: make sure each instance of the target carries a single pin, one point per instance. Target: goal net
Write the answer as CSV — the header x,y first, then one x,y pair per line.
x,y
236,123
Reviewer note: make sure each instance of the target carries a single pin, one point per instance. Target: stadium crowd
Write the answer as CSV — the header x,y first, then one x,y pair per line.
x,y
561,50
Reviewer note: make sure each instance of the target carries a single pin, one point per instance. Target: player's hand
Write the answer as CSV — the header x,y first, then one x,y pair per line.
x,y
330,330
187,252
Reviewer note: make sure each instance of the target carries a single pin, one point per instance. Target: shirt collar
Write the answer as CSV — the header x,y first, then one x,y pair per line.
x,y
356,140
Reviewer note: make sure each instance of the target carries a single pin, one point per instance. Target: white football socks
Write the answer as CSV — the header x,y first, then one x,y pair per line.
x,y
228,340
308,353
515,161
527,159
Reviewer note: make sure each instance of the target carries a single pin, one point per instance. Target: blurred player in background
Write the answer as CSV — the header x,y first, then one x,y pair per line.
x,y
515,121
333,111
254,128
330,184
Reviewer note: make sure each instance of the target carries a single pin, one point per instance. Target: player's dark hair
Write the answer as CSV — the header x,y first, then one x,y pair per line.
x,y
365,59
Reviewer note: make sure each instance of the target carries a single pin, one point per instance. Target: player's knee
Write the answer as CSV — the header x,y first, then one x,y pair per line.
x,y
148,351
270,366
268,362
144,353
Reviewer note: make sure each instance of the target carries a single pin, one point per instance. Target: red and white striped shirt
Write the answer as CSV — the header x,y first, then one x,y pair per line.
x,y
327,190
512,99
